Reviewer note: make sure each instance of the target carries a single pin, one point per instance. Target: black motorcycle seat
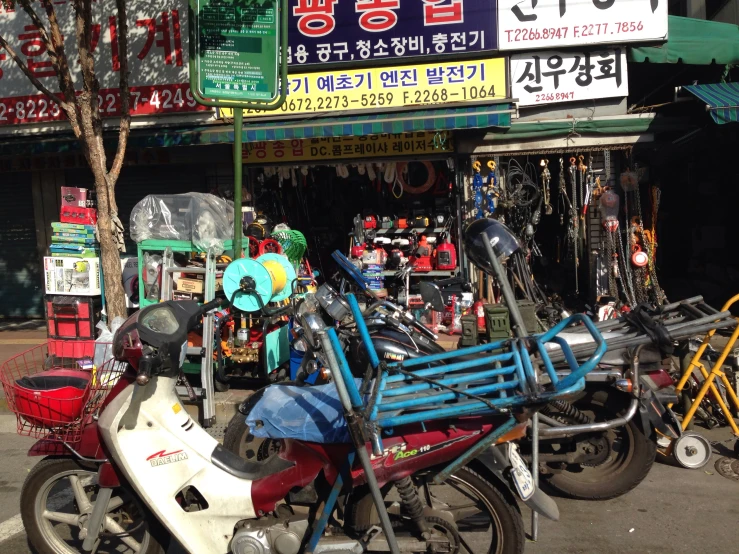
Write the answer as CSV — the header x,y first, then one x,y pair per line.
x,y
245,469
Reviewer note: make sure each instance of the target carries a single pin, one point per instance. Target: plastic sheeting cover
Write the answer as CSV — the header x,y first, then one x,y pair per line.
x,y
204,219
312,414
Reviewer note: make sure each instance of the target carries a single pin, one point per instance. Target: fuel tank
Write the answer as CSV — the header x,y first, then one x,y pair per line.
x,y
391,346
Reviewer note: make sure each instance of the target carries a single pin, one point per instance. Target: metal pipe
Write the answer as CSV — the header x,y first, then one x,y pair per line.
x,y
535,434
359,445
591,427
238,165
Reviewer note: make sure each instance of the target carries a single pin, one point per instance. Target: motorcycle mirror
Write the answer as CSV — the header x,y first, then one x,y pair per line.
x,y
431,294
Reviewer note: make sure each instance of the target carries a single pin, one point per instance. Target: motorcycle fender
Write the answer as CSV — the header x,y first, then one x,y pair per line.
x,y
495,459
656,417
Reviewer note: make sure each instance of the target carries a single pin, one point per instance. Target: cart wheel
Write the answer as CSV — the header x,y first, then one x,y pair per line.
x,y
692,451
736,448
220,386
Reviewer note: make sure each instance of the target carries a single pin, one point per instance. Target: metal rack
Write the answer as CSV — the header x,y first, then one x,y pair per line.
x,y
206,393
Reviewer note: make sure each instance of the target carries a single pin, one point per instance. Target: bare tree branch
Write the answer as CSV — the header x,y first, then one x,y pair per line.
x,y
66,85
36,20
31,77
125,124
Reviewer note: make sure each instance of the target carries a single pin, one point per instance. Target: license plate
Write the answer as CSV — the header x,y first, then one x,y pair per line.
x,y
521,475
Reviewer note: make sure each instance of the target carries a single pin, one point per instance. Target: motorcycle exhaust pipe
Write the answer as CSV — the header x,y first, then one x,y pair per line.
x,y
571,430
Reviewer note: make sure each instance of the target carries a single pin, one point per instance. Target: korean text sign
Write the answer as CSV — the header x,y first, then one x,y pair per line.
x,y
530,24
157,57
310,150
323,31
392,87
543,77
237,49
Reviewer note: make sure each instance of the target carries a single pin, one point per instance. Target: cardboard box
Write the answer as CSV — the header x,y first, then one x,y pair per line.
x,y
79,276
73,196
191,285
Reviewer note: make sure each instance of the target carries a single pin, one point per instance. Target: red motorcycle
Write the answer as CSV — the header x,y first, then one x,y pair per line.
x,y
121,448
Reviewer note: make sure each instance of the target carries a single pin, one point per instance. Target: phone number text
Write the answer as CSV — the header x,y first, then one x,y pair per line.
x,y
573,31
147,100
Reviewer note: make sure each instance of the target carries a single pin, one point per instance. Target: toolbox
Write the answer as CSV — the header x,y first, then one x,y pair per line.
x,y
72,317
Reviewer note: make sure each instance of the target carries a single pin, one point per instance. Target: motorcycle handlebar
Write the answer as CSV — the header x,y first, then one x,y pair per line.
x,y
208,306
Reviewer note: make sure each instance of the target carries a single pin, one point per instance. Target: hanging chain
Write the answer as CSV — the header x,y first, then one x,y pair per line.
x,y
626,282
611,263
546,177
659,294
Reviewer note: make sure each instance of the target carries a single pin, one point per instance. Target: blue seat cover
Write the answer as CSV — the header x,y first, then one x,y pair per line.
x,y
312,414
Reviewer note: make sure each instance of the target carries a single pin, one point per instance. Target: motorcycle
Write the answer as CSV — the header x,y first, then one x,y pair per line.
x,y
610,451
141,471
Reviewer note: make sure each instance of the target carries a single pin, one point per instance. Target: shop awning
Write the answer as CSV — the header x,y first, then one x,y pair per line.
x,y
722,100
694,42
445,119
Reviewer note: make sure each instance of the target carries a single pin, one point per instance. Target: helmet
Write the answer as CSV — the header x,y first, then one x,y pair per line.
x,y
501,238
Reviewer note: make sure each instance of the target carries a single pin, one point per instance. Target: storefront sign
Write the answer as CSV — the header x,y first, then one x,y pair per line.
x,y
236,46
546,77
529,24
323,31
391,87
158,58
374,146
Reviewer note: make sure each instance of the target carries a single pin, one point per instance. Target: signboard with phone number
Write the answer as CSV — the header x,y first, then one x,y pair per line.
x,y
532,24
391,87
543,77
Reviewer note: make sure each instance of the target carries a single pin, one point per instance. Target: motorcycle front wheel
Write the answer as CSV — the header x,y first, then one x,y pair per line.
x,y
56,500
627,453
484,519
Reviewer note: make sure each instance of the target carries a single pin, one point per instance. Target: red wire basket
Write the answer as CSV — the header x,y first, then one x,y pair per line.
x,y
55,389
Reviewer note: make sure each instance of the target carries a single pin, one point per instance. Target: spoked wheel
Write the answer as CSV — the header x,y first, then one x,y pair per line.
x,y
241,442
56,502
620,457
471,513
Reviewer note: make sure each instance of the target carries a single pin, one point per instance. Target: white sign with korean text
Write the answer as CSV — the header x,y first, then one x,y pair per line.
x,y
531,24
157,59
547,76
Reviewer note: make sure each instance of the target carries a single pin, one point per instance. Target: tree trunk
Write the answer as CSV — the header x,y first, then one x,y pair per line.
x,y
115,298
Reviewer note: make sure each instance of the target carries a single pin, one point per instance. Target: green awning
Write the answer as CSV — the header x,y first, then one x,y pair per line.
x,y
445,119
633,124
722,100
694,42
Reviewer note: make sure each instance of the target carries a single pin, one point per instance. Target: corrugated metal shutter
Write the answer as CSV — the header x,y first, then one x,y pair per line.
x,y
22,284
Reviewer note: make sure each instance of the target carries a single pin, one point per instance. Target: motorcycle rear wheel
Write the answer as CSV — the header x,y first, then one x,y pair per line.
x,y
488,521
52,509
632,452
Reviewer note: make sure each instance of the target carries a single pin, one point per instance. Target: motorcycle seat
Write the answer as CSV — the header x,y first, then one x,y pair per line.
x,y
244,469
311,414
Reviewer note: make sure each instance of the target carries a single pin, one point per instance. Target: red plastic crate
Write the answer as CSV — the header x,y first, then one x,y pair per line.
x,y
72,317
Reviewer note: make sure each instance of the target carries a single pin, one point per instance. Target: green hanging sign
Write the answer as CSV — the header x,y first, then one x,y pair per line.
x,y
236,49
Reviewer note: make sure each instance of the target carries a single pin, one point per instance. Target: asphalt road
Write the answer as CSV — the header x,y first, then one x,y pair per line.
x,y
673,511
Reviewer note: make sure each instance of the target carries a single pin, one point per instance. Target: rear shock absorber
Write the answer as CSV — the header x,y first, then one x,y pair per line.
x,y
412,504
566,411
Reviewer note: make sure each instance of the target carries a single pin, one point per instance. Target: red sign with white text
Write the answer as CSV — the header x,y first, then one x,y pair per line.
x,y
157,60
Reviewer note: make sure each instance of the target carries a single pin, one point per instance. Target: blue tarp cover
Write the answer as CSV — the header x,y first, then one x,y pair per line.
x,y
312,414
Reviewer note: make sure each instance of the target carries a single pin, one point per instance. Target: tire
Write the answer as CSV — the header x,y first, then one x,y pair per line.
x,y
631,455
505,526
37,497
241,442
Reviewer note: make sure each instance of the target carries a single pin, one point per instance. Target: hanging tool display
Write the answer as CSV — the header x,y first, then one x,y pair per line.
x,y
546,178
491,190
574,225
477,184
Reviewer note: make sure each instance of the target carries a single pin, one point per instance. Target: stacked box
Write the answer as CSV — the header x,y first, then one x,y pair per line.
x,y
73,240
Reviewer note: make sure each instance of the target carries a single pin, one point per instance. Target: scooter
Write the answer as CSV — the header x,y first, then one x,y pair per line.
x,y
146,454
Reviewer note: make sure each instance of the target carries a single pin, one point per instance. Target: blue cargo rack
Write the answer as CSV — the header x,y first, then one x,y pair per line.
x,y
440,386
